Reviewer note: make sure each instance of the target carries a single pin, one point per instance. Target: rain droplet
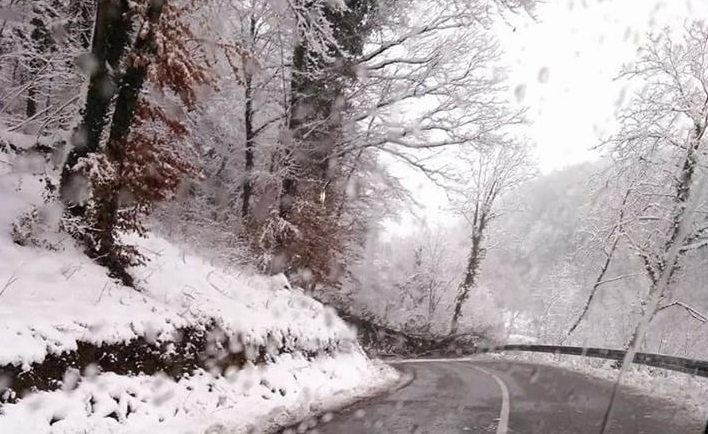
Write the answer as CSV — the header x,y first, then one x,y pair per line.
x,y
543,75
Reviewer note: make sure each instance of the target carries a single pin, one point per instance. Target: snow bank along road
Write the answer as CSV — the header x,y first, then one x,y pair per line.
x,y
504,398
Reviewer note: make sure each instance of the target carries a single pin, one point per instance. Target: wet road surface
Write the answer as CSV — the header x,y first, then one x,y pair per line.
x,y
505,398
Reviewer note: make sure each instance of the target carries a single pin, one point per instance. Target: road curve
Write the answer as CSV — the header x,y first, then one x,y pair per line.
x,y
504,398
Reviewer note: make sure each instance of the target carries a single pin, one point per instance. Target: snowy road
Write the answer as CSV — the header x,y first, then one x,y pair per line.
x,y
504,398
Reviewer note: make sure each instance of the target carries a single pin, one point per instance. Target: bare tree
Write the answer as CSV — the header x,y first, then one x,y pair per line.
x,y
333,92
262,71
430,282
409,279
39,75
661,154
611,240
494,171
438,67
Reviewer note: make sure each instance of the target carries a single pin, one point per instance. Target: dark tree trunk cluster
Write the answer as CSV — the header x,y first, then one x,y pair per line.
x,y
315,119
112,35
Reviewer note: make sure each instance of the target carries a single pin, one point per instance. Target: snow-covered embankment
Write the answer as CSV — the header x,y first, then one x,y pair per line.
x,y
291,355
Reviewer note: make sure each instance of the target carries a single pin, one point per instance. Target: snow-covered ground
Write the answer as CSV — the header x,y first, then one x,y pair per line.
x,y
51,299
254,398
686,391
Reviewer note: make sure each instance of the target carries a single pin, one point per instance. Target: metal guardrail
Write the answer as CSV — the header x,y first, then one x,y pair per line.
x,y
680,364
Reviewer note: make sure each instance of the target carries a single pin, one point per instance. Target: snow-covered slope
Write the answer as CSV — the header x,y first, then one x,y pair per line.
x,y
254,399
52,299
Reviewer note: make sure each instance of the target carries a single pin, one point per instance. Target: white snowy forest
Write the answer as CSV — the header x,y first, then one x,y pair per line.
x,y
171,165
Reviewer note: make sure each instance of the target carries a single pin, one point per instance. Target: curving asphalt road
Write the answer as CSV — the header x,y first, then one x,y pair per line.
x,y
504,398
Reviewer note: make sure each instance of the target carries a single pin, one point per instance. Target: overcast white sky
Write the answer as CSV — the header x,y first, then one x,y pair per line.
x,y
562,66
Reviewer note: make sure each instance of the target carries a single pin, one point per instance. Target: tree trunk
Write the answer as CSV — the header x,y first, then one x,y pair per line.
x,y
42,42
317,88
668,265
31,108
122,120
288,187
473,264
250,135
297,107
110,39
609,255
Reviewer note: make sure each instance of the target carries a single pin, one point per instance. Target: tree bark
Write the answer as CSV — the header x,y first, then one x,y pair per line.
x,y
317,88
297,106
42,42
668,264
473,264
248,167
110,39
250,135
122,120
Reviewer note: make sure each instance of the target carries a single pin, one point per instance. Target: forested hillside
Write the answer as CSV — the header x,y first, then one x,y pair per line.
x,y
194,193
176,175
584,254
